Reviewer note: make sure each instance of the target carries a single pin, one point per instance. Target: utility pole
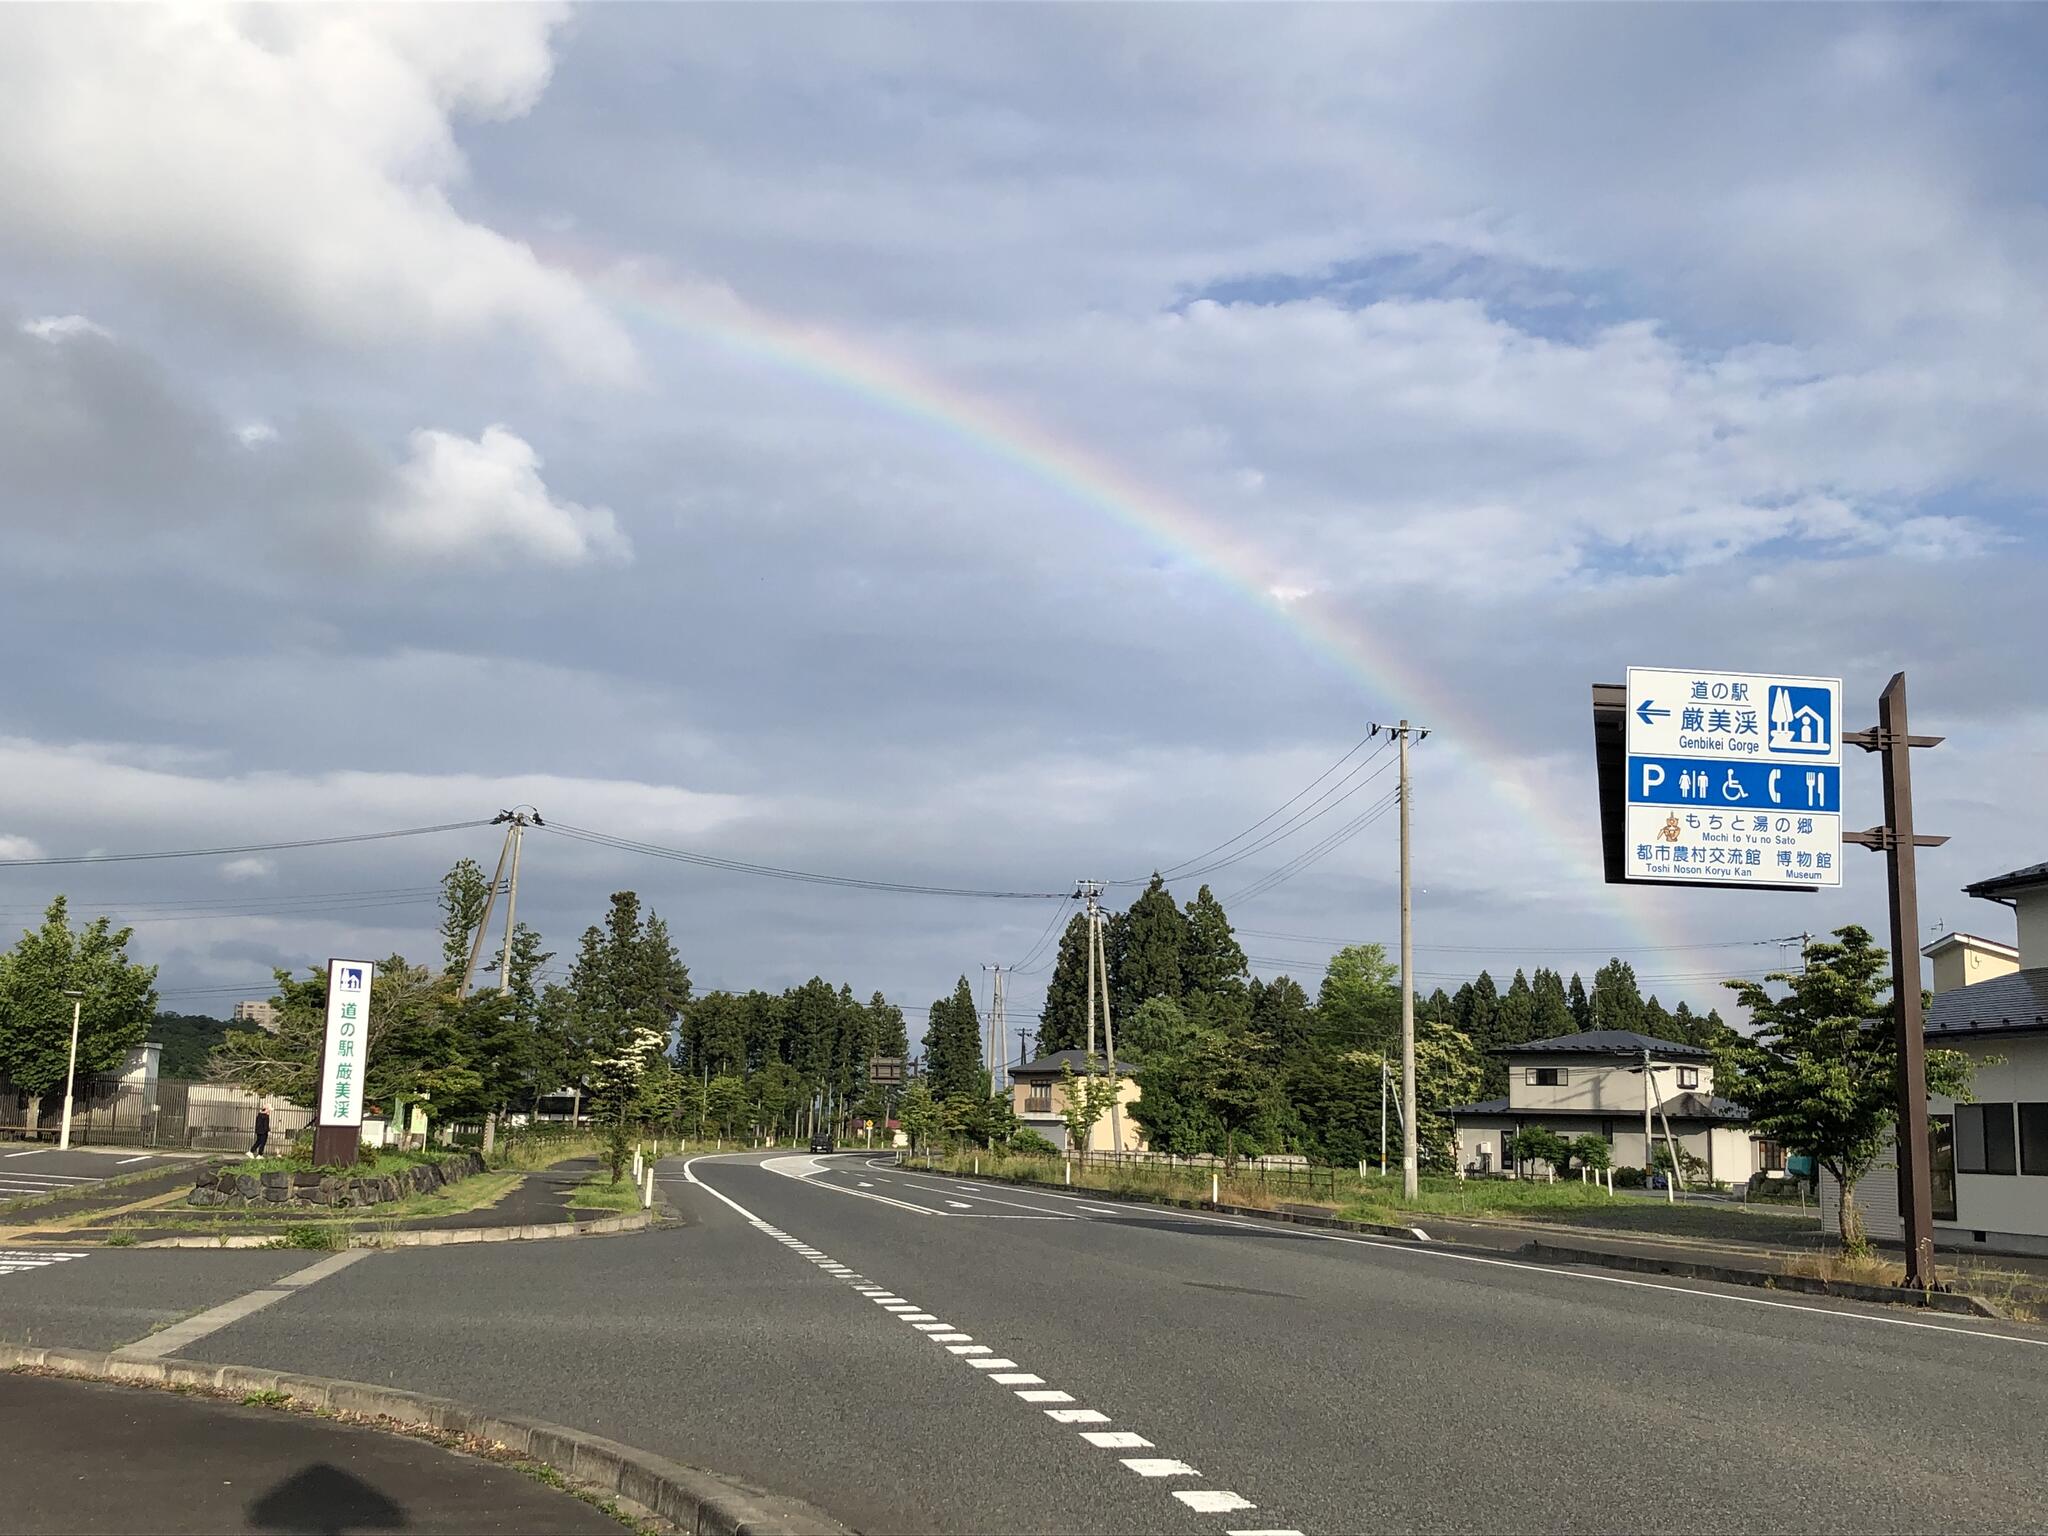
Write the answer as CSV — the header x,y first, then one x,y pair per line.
x,y
1409,1163
1098,970
522,817
1091,890
998,1031
483,922
1896,838
1023,1049
1649,1129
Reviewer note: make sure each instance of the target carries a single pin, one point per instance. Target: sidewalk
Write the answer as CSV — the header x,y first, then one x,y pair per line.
x,y
90,1457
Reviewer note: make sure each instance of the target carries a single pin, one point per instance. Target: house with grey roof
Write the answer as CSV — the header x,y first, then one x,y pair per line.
x,y
1598,1082
1988,1157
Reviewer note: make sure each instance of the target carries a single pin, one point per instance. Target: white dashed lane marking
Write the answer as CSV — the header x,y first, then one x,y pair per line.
x,y
1003,1371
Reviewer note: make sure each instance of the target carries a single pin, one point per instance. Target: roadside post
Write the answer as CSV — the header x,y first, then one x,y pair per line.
x,y
71,1072
344,1062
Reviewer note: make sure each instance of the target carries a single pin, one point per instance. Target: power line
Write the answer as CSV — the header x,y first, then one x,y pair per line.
x,y
776,872
1304,859
1528,949
1029,962
207,853
1302,818
1175,871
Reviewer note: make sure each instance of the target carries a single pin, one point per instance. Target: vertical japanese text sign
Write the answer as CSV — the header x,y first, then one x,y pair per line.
x,y
347,1055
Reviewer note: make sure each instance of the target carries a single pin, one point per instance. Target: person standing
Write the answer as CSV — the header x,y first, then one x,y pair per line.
x,y
262,1128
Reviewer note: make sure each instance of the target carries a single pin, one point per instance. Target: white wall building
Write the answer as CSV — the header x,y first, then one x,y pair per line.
x,y
1593,1083
1989,1157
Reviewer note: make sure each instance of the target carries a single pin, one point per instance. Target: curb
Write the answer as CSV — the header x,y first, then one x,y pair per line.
x,y
1377,1229
695,1501
433,1237
1955,1302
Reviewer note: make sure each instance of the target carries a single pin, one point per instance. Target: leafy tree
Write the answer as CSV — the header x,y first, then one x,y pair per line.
x,y
1145,947
1617,1001
919,1113
1539,1144
1447,1075
952,1044
1822,1074
1063,1021
1228,1071
1213,960
35,1015
1593,1152
1159,1026
725,1103
464,893
1359,1007
1581,1007
1084,1100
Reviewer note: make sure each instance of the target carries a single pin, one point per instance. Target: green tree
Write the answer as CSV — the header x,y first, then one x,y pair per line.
x,y
1539,1144
1592,1151
35,1015
1553,1008
1359,1006
1821,1075
1063,1021
1159,1026
1213,960
1084,1100
952,1045
919,1113
188,1039
1581,1007
1145,946
1617,1001
1282,1013
725,1104
464,893
1657,1021
1230,1074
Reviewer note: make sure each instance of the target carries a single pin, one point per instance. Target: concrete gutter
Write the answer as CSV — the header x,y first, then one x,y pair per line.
x,y
697,1502
435,1237
1765,1279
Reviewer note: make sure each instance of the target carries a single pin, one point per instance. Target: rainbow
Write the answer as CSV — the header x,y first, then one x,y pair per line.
x,y
1006,436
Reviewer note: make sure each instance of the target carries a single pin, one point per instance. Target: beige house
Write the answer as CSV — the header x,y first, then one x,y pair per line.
x,y
1038,1094
1595,1084
1989,1157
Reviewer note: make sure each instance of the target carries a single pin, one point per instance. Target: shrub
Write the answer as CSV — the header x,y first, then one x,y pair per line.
x,y
1028,1143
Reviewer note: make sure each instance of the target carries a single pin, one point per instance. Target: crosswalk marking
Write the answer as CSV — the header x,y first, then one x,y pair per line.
x,y
15,1260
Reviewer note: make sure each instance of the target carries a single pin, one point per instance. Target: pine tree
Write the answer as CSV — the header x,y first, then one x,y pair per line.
x,y
1063,1021
1213,960
1617,1002
464,892
1282,1013
1581,1008
952,1045
1657,1021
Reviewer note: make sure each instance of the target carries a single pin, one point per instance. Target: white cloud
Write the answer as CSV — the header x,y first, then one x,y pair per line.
x,y
248,869
12,847
300,159
483,498
255,434
54,328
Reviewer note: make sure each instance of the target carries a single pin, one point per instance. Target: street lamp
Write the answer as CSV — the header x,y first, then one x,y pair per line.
x,y
71,1073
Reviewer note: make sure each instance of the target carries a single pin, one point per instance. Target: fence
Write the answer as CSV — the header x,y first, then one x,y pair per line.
x,y
1291,1174
113,1112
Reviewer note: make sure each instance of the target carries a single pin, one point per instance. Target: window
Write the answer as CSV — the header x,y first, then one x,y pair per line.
x,y
1546,1077
1984,1139
1038,1099
1770,1157
1688,1077
2034,1138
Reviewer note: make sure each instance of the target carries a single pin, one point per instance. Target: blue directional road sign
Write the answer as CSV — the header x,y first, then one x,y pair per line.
x,y
1734,778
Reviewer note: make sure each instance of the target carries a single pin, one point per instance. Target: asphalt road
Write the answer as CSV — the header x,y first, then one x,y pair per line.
x,y
89,1457
1293,1379
47,1171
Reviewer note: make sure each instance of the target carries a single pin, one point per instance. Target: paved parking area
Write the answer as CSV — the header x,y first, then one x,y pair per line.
x,y
29,1170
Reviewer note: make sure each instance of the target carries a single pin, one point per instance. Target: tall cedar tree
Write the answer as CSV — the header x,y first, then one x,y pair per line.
x,y
1063,1021
464,890
1145,946
1822,1074
1617,1001
1553,1008
1213,961
952,1045
1581,1007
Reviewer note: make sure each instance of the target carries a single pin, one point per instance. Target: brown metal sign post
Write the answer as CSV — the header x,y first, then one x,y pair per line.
x,y
1897,840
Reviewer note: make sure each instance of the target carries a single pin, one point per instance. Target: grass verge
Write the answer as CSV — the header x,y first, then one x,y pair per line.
x,y
599,1193
471,1194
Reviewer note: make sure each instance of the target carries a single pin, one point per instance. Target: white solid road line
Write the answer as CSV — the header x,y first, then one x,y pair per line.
x,y
1433,1252
142,1159
31,1152
174,1338
1027,1387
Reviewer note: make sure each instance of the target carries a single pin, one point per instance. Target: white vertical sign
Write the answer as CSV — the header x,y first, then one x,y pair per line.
x,y
342,1064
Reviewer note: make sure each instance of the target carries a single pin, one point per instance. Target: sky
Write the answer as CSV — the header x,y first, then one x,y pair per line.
x,y
990,447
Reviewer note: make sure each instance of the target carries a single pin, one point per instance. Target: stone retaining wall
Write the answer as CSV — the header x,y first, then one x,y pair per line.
x,y
360,1187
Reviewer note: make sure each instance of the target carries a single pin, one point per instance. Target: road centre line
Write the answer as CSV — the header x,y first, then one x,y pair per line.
x,y
1028,1387
1438,1252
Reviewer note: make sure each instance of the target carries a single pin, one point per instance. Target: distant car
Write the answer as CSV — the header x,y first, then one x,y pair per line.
x,y
821,1142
